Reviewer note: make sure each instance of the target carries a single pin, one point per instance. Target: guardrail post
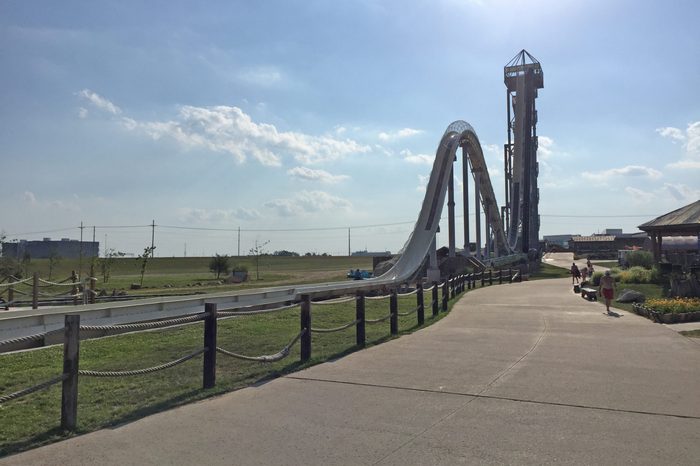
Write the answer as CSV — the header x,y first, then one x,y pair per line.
x,y
445,294
306,324
420,303
92,294
74,289
209,374
435,299
360,317
35,291
510,275
71,354
394,311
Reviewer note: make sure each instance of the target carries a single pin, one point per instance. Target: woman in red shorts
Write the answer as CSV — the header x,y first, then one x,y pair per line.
x,y
607,289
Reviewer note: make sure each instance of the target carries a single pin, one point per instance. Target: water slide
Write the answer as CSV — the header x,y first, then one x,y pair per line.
x,y
419,242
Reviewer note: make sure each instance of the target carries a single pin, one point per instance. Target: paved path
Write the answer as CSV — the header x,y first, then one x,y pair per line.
x,y
527,373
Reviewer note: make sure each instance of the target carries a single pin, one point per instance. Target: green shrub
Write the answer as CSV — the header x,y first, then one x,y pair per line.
x,y
640,259
635,275
596,278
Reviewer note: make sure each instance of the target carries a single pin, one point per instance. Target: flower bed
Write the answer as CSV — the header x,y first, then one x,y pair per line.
x,y
670,310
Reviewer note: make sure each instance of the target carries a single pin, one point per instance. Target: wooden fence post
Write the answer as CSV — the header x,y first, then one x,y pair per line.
x,y
483,278
435,299
420,303
305,324
445,294
35,291
510,275
469,281
209,374
74,289
394,310
93,287
71,356
500,276
490,277
360,338
453,283
10,296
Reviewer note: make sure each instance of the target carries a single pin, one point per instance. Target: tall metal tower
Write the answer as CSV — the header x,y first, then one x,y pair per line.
x,y
522,76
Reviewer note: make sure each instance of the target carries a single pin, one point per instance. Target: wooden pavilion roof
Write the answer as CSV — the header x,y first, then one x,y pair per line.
x,y
685,220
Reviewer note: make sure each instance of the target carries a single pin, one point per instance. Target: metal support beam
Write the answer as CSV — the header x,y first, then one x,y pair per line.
x,y
451,212
477,213
465,196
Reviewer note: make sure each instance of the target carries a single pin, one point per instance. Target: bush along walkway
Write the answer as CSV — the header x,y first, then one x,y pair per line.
x,y
670,311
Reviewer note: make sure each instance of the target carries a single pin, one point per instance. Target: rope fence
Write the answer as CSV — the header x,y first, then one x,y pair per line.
x,y
71,334
281,354
335,329
147,370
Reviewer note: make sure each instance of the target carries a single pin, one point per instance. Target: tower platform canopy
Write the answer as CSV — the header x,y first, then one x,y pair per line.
x,y
519,65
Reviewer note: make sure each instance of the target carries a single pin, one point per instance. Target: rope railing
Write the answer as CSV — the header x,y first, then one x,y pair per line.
x,y
18,282
281,354
32,389
255,311
335,329
147,370
334,301
377,298
35,337
61,283
144,325
376,321
408,313
410,293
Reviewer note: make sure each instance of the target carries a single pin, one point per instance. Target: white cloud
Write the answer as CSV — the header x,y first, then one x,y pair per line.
x,y
194,215
493,150
410,157
628,171
690,159
265,76
30,198
400,134
638,196
82,113
545,147
99,102
308,174
305,202
422,183
672,133
340,130
682,193
230,130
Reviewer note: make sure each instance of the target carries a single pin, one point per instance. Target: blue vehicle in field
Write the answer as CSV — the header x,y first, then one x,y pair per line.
x,y
358,274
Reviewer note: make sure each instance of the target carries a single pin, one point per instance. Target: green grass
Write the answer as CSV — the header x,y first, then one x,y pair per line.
x,y
190,275
691,333
33,420
650,290
606,264
549,271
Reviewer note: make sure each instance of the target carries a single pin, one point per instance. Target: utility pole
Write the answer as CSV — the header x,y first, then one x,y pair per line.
x,y
239,241
80,253
349,254
153,238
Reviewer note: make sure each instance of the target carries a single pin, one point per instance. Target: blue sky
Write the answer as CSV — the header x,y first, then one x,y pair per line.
x,y
316,116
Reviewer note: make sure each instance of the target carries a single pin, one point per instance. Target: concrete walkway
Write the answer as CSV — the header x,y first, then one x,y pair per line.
x,y
527,373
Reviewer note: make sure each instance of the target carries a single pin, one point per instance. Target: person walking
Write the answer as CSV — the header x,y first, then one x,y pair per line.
x,y
607,289
575,274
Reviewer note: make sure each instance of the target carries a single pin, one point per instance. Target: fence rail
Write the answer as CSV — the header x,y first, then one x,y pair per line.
x,y
72,330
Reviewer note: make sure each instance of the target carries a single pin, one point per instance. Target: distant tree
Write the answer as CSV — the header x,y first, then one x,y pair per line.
x,y
26,260
106,263
9,267
54,259
256,252
285,253
3,237
219,264
147,254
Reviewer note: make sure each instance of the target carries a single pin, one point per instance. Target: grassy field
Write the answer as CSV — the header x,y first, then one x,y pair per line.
x,y
691,333
189,275
549,271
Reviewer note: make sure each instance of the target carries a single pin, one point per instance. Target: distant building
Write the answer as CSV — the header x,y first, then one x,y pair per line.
x,y
367,253
66,248
596,247
559,240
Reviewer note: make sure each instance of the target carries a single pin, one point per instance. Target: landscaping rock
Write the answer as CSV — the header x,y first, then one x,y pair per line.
x,y
630,296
